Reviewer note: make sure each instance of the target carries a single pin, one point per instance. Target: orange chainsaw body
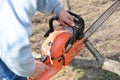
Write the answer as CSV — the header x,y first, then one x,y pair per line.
x,y
54,47
61,46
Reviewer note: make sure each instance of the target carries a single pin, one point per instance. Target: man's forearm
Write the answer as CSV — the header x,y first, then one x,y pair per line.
x,y
49,6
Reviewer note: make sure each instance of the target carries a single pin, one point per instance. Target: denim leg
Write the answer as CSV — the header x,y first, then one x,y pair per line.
x,y
7,74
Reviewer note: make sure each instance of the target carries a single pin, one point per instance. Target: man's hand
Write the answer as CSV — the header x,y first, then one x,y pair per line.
x,y
65,18
40,68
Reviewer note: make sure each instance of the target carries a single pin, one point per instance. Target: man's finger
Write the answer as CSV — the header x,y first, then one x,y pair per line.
x,y
70,22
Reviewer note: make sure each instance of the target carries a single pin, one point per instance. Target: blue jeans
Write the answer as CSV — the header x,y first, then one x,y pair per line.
x,y
7,74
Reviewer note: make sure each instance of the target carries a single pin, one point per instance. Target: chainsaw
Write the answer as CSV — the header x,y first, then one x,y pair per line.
x,y
63,44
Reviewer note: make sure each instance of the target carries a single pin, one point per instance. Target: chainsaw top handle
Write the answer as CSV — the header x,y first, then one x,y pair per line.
x,y
78,29
51,25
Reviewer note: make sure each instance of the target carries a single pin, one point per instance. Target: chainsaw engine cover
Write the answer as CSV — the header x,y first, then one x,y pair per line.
x,y
54,45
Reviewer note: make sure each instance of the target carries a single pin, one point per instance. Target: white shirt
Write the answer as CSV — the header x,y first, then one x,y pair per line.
x,y
15,30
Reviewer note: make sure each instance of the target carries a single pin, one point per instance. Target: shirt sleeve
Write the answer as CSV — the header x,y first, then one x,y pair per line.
x,y
49,6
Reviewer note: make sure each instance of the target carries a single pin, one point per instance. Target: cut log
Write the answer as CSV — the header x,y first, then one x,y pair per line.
x,y
111,65
108,64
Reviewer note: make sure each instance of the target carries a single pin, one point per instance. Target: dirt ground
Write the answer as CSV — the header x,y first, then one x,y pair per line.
x,y
106,39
